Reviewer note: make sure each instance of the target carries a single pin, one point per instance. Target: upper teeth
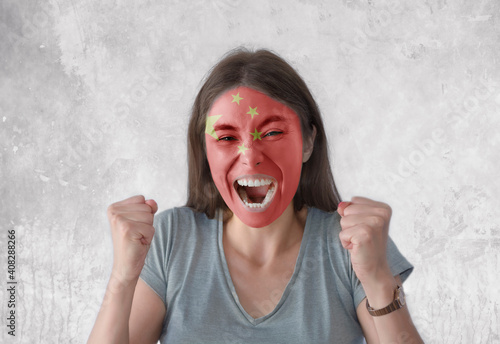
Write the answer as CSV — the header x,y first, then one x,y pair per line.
x,y
256,182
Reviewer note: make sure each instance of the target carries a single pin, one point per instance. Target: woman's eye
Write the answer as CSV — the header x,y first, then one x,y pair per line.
x,y
273,133
226,138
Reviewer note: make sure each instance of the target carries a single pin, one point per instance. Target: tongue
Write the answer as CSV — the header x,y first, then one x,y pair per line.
x,y
257,194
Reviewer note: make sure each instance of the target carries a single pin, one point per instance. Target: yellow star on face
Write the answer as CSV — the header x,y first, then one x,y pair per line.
x,y
209,127
236,98
256,135
242,149
252,111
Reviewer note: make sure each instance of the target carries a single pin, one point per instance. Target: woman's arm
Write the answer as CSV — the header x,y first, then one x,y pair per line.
x,y
131,311
395,327
365,232
146,318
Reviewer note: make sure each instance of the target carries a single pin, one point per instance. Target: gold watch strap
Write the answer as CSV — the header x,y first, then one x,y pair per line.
x,y
397,303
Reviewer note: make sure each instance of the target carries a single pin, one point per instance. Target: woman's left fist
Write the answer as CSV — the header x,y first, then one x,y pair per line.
x,y
365,229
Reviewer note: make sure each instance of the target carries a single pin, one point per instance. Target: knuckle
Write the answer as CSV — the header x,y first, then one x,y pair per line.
x,y
366,236
365,230
386,212
122,222
377,221
342,235
140,198
119,218
113,218
111,209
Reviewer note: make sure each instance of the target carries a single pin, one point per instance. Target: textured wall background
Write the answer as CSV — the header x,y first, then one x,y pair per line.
x,y
95,97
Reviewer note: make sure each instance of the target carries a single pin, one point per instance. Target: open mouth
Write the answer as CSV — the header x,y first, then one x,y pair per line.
x,y
256,192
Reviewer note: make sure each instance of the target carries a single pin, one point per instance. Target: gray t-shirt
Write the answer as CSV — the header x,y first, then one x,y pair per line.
x,y
187,268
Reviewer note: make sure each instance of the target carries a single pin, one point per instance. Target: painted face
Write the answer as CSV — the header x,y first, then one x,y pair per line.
x,y
254,149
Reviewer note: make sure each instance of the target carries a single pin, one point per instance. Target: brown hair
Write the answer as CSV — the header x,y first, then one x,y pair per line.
x,y
266,72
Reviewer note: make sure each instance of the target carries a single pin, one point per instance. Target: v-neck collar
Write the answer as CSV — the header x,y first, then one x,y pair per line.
x,y
289,286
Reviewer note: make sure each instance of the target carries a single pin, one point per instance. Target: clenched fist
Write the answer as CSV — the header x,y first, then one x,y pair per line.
x,y
132,230
365,230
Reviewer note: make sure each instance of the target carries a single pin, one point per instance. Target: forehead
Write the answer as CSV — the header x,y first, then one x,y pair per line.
x,y
249,104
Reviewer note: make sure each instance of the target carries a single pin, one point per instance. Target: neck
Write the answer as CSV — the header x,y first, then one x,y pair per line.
x,y
263,245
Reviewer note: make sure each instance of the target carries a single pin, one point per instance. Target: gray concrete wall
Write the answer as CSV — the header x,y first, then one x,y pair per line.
x,y
95,97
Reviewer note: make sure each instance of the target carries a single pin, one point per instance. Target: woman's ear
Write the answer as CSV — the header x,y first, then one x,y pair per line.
x,y
308,145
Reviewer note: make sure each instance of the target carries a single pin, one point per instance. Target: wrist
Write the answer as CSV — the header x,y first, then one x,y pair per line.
x,y
380,291
119,293
122,280
398,302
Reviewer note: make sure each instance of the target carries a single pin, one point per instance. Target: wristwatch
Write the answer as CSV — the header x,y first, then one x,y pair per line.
x,y
398,302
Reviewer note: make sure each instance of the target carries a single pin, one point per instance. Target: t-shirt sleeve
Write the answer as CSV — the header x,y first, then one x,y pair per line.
x,y
153,272
398,264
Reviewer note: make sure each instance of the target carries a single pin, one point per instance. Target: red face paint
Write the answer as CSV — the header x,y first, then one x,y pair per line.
x,y
254,149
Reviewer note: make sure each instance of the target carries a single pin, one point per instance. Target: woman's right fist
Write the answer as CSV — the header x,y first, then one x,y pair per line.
x,y
132,230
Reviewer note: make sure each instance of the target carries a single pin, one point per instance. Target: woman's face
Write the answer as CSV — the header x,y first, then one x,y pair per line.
x,y
254,149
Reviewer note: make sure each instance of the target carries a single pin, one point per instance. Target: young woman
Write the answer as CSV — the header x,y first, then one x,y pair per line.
x,y
262,252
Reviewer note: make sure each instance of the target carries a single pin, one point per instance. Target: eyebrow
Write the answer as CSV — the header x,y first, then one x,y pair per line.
x,y
223,127
270,119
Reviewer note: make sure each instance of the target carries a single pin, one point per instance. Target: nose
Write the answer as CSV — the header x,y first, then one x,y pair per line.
x,y
253,156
